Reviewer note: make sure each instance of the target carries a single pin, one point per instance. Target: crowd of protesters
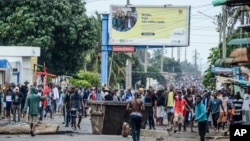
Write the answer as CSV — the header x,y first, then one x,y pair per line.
x,y
178,107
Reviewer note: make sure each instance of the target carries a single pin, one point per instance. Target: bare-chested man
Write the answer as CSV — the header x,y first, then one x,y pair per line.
x,y
136,106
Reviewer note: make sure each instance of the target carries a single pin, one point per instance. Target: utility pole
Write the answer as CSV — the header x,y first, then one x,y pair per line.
x,y
128,69
172,52
178,54
219,21
242,21
195,58
162,58
195,62
224,28
185,54
146,60
128,2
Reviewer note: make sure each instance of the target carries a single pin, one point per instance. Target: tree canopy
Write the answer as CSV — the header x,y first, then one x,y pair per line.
x,y
60,27
169,64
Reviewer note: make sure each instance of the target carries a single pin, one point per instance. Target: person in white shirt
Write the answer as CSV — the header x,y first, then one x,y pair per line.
x,y
41,108
55,98
246,106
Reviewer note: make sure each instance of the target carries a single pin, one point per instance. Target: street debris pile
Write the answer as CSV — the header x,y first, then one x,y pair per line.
x,y
41,128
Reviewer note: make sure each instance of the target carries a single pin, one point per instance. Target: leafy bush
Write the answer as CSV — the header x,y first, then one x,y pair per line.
x,y
87,79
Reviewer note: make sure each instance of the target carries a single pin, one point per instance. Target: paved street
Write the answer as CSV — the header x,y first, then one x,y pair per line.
x,y
85,133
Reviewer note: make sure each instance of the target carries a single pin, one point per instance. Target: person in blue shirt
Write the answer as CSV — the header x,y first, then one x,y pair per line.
x,y
128,96
206,100
200,117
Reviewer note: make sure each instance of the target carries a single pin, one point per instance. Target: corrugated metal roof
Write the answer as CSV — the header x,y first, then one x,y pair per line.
x,y
239,41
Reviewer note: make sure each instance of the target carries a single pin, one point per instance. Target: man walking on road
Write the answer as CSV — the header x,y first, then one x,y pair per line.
x,y
136,107
237,108
67,106
246,106
16,104
189,114
76,105
214,107
170,105
42,104
151,98
32,102
179,105
200,117
24,90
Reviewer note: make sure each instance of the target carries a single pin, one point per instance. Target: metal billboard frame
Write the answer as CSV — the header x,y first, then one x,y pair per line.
x,y
188,7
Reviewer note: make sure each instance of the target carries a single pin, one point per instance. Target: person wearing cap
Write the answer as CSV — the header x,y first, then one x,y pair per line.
x,y
108,96
141,92
32,102
16,104
128,96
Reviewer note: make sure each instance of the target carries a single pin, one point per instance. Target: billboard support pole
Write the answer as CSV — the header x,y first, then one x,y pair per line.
x,y
104,62
146,59
162,58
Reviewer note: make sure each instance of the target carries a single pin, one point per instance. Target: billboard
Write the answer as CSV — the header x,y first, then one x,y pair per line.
x,y
147,25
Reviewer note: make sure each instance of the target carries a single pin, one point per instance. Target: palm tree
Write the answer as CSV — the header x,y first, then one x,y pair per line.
x,y
92,56
117,63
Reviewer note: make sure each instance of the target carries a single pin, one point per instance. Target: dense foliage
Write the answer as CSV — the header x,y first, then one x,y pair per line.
x,y
60,27
86,79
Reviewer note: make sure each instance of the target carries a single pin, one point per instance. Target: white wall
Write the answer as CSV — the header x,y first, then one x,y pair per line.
x,y
19,51
20,54
26,71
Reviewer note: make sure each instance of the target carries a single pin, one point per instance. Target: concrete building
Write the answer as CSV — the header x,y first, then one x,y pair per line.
x,y
17,63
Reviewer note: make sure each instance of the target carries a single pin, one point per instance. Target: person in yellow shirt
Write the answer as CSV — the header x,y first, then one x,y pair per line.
x,y
170,105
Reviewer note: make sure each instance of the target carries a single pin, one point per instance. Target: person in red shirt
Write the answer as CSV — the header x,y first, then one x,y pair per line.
x,y
179,106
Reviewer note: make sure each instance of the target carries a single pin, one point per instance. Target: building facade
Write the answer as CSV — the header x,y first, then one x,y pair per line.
x,y
17,63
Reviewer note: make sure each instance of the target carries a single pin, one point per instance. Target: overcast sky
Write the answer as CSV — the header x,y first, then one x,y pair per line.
x,y
203,34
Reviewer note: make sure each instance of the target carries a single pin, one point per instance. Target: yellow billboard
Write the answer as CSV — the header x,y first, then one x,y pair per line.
x,y
153,26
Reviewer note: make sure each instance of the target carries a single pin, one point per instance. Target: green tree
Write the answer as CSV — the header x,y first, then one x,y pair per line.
x,y
169,64
60,27
138,73
87,79
92,56
153,72
216,53
213,56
